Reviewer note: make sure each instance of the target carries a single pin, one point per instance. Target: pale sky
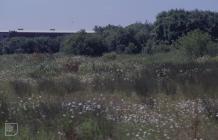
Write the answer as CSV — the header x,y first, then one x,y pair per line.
x,y
73,15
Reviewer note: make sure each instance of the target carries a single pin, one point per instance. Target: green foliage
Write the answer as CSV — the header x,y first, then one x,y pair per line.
x,y
94,129
214,59
26,134
197,44
175,57
110,56
212,48
121,39
136,38
66,85
84,44
21,88
30,45
161,48
131,49
66,105
171,25
57,96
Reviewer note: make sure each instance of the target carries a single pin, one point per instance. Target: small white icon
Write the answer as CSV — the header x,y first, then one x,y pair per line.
x,y
11,129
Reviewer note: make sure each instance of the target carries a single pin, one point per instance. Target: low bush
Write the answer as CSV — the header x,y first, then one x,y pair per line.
x,y
197,44
110,56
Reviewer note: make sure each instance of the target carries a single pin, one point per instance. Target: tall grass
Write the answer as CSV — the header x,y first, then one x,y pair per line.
x,y
119,97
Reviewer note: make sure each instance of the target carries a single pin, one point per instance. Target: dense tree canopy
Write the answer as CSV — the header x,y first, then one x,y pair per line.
x,y
193,31
83,43
29,45
171,25
117,38
197,44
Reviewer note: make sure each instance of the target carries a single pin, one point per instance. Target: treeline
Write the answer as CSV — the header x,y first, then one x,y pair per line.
x,y
194,32
30,45
130,39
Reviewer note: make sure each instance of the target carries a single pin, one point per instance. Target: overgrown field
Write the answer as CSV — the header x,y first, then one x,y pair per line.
x,y
113,97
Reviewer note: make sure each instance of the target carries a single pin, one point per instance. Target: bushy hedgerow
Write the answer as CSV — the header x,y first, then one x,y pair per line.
x,y
192,31
198,44
83,43
29,45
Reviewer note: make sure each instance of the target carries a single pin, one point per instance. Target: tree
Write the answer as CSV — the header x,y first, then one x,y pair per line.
x,y
30,45
139,32
83,43
131,49
171,25
112,36
197,44
117,38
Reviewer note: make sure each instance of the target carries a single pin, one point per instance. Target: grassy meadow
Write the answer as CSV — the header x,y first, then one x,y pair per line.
x,y
113,97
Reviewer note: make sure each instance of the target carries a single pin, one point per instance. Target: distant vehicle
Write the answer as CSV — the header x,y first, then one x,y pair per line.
x,y
20,29
52,29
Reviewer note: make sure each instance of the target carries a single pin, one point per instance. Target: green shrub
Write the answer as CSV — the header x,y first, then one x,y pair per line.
x,y
110,56
175,56
21,87
61,86
212,48
88,130
94,128
45,69
197,44
4,109
30,45
214,59
83,43
131,49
